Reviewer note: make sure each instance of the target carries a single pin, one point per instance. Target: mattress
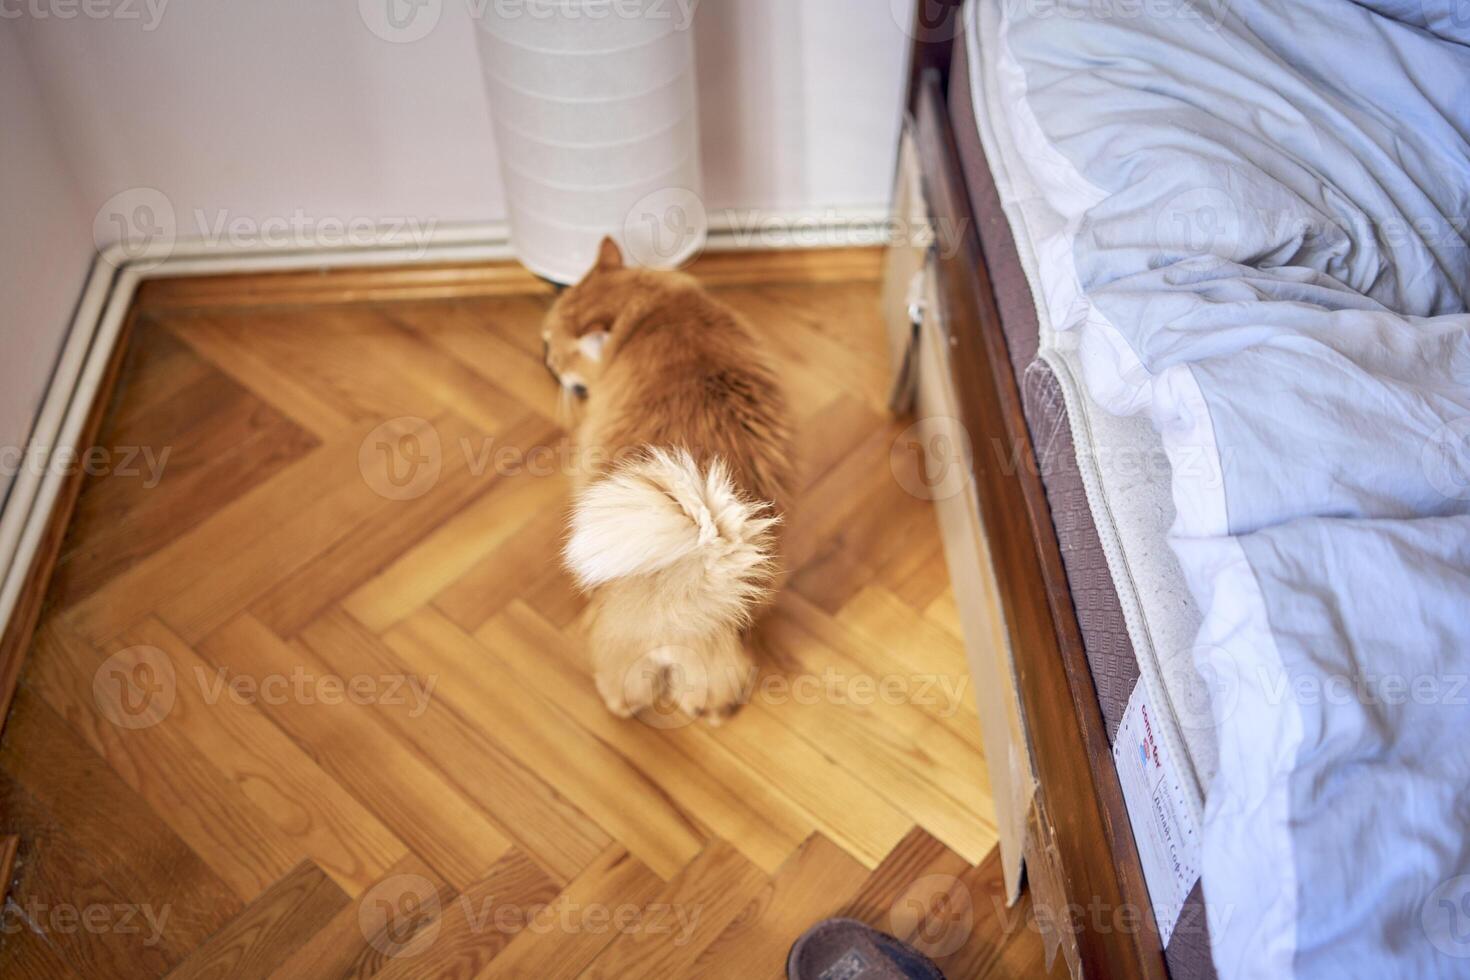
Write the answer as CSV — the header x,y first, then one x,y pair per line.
x,y
1108,639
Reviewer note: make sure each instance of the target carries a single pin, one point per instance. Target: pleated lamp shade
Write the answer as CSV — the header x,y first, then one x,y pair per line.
x,y
594,109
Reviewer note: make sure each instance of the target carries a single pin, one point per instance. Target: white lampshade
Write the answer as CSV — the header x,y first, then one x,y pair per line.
x,y
594,110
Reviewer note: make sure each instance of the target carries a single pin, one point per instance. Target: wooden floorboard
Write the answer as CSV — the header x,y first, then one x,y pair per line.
x,y
309,687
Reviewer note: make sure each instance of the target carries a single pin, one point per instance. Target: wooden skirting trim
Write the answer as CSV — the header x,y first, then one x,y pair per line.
x,y
16,639
339,286
469,281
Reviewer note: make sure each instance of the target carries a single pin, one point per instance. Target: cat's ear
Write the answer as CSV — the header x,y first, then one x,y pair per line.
x,y
609,256
591,343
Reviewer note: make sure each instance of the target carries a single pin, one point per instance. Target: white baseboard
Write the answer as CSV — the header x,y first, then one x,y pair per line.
x,y
116,275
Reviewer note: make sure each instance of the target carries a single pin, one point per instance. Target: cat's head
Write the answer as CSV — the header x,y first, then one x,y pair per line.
x,y
579,330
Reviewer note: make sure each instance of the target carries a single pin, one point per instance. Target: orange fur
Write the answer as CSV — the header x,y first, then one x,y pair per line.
x,y
675,529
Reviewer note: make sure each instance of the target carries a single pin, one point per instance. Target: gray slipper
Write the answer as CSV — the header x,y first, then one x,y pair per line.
x,y
845,949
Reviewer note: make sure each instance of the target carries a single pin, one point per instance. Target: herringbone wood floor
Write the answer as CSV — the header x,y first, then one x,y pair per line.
x,y
218,751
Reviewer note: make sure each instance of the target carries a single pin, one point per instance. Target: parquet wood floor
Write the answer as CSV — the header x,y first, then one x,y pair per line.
x,y
308,697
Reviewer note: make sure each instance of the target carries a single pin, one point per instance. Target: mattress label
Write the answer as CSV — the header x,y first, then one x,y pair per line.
x,y
1164,825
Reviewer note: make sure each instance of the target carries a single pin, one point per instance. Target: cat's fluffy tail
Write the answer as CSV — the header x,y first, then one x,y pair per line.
x,y
680,562
660,513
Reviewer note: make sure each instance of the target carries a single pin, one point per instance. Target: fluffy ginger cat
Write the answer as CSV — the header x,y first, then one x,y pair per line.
x,y
675,527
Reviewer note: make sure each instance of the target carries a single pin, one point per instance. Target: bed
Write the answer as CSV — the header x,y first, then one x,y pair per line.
x,y
1109,300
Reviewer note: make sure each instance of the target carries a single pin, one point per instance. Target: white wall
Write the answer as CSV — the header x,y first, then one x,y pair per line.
x,y
274,109
45,248
270,106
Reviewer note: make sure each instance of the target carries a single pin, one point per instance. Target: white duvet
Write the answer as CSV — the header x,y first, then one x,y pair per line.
x,y
1251,220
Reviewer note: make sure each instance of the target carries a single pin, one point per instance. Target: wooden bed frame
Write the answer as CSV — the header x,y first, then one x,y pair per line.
x,y
1081,860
